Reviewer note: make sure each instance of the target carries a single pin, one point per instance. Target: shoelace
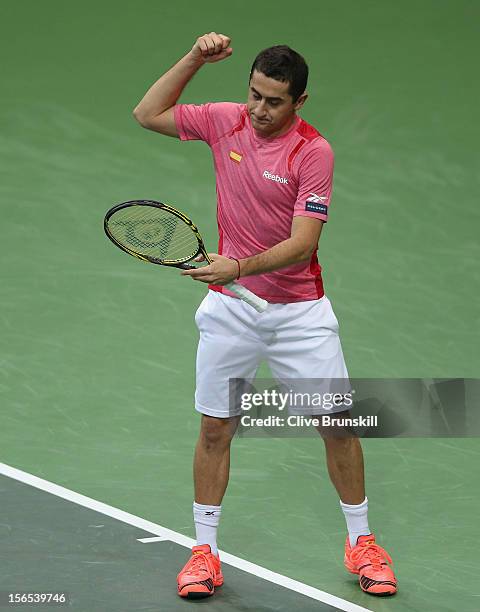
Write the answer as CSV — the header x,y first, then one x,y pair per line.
x,y
198,561
374,553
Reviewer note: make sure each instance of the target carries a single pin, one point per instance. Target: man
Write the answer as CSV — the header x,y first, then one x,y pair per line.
x,y
274,181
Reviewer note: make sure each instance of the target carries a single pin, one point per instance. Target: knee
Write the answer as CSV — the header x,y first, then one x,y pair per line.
x,y
215,432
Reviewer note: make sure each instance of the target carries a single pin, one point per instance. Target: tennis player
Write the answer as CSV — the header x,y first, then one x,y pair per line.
x,y
274,184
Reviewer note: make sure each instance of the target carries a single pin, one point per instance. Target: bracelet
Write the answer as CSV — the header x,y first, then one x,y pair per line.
x,y
238,264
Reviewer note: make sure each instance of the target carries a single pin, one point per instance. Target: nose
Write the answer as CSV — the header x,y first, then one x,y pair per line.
x,y
260,110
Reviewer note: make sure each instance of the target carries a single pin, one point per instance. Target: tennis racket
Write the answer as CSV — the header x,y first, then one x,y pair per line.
x,y
161,234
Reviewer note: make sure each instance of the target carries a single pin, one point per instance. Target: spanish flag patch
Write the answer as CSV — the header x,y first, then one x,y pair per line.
x,y
235,156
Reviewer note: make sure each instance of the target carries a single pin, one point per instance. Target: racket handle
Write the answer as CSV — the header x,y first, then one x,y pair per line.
x,y
247,296
240,291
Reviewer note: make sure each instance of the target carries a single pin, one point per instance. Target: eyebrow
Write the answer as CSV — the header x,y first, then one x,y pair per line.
x,y
271,98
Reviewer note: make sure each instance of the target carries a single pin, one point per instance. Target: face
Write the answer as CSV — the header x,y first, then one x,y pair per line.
x,y
270,106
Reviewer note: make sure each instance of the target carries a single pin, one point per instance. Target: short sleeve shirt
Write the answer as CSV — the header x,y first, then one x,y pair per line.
x,y
261,184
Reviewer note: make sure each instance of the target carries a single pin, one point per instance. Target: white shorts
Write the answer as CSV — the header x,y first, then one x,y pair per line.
x,y
298,340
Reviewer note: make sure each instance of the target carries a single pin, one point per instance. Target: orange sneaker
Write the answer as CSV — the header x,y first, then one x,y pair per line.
x,y
369,561
201,574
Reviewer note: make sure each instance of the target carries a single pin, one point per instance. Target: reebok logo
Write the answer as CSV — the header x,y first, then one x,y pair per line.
x,y
274,177
316,198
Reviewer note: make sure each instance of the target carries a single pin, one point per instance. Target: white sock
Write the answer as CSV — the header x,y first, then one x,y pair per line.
x,y
206,523
357,520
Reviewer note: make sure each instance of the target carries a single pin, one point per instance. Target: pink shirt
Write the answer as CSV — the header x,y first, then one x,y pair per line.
x,y
261,185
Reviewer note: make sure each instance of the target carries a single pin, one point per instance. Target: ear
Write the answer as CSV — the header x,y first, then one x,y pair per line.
x,y
301,101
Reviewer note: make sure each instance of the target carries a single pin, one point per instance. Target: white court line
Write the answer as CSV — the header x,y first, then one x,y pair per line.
x,y
178,538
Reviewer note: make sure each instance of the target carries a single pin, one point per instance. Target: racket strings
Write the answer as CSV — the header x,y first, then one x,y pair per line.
x,y
153,232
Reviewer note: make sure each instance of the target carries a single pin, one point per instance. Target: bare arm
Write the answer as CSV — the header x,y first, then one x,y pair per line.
x,y
303,241
299,247
155,110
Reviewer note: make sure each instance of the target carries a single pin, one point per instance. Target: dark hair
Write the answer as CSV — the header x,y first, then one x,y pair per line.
x,y
283,64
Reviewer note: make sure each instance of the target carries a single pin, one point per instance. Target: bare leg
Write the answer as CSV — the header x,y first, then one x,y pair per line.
x,y
345,467
211,465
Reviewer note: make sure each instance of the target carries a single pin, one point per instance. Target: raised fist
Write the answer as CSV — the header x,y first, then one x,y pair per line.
x,y
212,47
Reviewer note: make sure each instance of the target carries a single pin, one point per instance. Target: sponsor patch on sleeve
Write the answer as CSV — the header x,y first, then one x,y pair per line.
x,y
316,207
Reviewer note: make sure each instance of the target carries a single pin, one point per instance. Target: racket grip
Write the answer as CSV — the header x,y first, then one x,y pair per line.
x,y
247,296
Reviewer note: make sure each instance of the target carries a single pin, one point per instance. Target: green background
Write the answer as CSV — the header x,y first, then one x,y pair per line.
x,y
98,350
